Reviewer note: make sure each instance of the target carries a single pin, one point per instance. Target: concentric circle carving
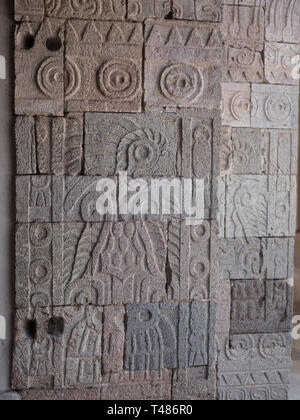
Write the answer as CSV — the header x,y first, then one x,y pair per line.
x,y
278,108
40,272
50,77
72,78
181,83
119,80
40,235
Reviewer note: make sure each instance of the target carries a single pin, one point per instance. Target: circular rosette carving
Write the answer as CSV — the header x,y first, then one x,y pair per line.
x,y
119,80
72,78
278,108
40,272
239,347
50,77
240,106
86,7
200,233
241,154
181,83
41,235
140,151
272,346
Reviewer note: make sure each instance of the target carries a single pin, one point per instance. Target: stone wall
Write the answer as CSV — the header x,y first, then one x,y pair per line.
x,y
132,307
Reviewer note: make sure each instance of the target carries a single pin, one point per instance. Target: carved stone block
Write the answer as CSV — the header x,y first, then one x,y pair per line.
x,y
200,10
243,23
278,258
192,260
223,308
196,383
182,68
139,10
257,206
254,367
129,262
226,151
39,68
275,106
243,64
283,21
103,66
279,65
29,10
180,335
92,10
261,306
141,145
49,146
236,104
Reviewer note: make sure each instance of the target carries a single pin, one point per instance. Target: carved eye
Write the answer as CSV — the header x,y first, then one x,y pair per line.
x,y
25,41
53,44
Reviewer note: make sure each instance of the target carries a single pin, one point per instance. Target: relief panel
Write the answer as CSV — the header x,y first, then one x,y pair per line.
x,y
93,9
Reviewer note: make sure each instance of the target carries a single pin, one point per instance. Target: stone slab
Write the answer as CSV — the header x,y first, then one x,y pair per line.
x,y
268,258
63,395
236,104
9,396
39,68
261,306
186,332
257,206
196,383
95,10
243,64
139,10
260,152
199,10
254,367
275,106
32,11
182,67
49,146
192,260
279,65
282,21
103,66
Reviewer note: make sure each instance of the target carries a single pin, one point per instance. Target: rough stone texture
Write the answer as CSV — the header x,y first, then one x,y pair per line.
x,y
182,67
192,259
49,146
275,106
279,63
94,10
259,151
254,367
39,68
194,383
269,258
63,395
261,306
139,10
200,10
9,396
32,11
236,104
103,66
243,64
282,21
186,332
257,206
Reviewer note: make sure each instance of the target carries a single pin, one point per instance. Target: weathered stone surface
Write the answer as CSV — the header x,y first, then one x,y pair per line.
x,y
62,395
254,367
32,11
223,308
182,67
279,63
282,21
139,10
9,396
129,262
103,66
181,335
39,68
261,306
200,10
236,104
226,151
257,206
141,144
196,383
261,151
256,3
242,23
49,146
93,10
269,258
275,106
192,260
243,64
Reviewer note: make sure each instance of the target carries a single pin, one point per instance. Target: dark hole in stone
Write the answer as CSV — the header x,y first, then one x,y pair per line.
x,y
26,42
53,44
169,16
30,329
169,275
56,327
